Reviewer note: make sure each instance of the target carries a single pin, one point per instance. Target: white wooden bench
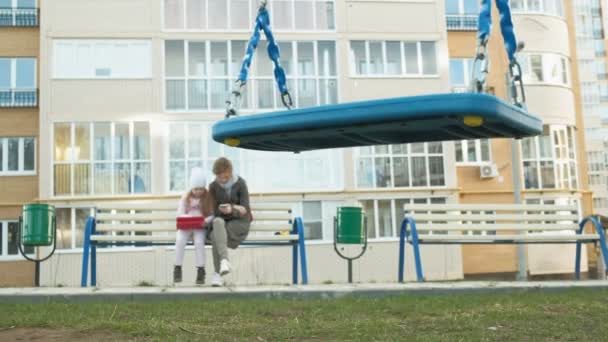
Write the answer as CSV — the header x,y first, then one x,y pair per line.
x,y
148,223
495,224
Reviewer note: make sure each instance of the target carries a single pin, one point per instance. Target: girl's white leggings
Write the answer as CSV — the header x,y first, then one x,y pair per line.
x,y
183,235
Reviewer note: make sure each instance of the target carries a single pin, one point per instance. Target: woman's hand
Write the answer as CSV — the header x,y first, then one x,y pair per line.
x,y
226,209
242,211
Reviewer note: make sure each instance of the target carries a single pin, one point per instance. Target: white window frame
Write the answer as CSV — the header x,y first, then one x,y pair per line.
x,y
547,60
251,13
541,10
557,162
478,154
92,44
92,161
409,155
20,172
4,256
461,9
249,104
385,74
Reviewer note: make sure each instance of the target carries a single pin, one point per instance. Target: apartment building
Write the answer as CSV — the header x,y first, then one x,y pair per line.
x,y
128,105
19,143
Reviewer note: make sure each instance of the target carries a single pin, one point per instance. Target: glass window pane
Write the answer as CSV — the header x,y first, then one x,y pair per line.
x,y
64,228
82,214
13,154
435,147
401,172
376,64
13,249
174,58
197,94
368,210
82,179
312,211
411,57
26,3
437,172
471,151
419,175
177,177
327,58
218,14
325,15
29,158
304,17
544,143
101,140
195,141
306,59
265,89
429,58
547,174
196,14
263,65
141,178
62,137
417,147
528,148
239,14
176,141
141,140
365,173
457,77
531,175
197,59
219,59
537,68
219,91
121,141
471,6
26,73
452,6
393,58
383,172
328,90
358,56
102,175
459,154
174,14
286,60
485,149
5,73
122,178
176,94
385,218
62,181
82,141
307,93
282,14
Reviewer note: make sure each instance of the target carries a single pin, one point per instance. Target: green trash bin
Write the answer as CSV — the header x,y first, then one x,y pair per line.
x,y
350,225
38,225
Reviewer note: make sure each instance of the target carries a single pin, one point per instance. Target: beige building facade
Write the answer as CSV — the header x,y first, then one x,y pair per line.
x,y
128,105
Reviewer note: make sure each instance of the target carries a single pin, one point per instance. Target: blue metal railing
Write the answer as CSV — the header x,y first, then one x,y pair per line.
x,y
18,97
461,22
20,17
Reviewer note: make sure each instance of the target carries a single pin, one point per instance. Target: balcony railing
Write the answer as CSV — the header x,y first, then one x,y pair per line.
x,y
22,17
461,22
18,97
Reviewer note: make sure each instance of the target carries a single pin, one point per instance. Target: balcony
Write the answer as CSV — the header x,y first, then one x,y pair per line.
x,y
18,98
18,17
461,22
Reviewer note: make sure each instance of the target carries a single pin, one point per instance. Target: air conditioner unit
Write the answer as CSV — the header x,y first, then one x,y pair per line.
x,y
488,170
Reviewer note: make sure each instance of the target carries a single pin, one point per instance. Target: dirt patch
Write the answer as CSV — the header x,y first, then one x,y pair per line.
x,y
59,334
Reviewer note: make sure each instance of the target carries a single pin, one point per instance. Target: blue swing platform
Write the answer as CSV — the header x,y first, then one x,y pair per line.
x,y
436,117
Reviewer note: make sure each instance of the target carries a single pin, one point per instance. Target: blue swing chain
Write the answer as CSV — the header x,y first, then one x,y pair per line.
x,y
262,23
482,57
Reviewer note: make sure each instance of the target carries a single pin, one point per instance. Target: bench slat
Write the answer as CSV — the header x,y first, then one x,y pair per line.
x,y
172,206
489,207
496,226
171,238
158,216
493,217
515,238
155,227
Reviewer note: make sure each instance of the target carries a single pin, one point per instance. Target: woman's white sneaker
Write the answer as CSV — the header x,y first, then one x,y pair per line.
x,y
216,280
224,267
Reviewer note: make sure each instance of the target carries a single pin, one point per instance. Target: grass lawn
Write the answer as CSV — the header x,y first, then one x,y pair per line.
x,y
580,315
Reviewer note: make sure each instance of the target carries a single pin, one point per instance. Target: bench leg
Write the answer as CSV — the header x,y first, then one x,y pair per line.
x,y
294,266
577,261
94,265
301,241
416,245
85,252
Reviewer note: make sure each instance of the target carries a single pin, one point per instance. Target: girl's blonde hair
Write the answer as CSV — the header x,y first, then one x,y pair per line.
x,y
205,203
